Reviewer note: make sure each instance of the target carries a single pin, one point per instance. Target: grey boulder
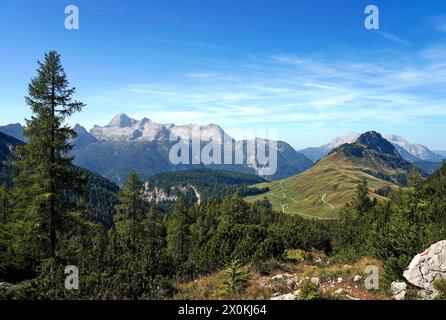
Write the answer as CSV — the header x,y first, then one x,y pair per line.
x,y
398,290
427,267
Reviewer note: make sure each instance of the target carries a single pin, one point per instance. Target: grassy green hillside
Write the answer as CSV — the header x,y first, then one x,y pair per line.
x,y
323,189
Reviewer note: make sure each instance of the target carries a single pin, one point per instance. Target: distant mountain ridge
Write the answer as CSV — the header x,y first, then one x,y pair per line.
x,y
428,167
411,152
416,150
14,130
441,153
7,145
316,153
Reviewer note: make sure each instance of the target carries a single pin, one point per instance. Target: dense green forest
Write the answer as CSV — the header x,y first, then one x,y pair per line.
x,y
53,215
209,182
145,253
202,183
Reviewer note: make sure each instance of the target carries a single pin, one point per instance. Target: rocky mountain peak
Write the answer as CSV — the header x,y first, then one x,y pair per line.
x,y
14,130
349,137
79,129
145,121
121,121
374,141
83,136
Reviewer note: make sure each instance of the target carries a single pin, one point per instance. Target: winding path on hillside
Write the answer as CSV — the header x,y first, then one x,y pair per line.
x,y
284,191
327,203
285,206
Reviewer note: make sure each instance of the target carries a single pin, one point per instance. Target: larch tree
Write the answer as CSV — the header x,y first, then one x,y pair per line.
x,y
47,187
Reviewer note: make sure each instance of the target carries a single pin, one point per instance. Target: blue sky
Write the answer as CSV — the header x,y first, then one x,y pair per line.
x,y
308,69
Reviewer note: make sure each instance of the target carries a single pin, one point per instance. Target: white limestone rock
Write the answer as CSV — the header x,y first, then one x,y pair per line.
x,y
427,267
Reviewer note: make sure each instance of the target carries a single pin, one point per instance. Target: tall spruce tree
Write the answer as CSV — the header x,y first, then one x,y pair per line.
x,y
179,231
131,207
47,186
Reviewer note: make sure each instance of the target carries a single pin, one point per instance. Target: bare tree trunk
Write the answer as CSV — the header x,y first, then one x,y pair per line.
x,y
52,187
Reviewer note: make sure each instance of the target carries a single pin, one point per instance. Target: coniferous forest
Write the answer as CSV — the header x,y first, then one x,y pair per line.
x,y
54,214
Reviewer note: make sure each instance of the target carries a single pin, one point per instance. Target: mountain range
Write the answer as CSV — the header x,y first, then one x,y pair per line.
x,y
299,187
413,152
127,144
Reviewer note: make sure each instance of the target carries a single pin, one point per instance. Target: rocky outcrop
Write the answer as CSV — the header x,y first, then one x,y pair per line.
x,y
398,290
157,195
427,267
5,285
287,296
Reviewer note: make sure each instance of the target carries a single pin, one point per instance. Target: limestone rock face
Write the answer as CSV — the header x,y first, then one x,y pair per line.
x,y
427,267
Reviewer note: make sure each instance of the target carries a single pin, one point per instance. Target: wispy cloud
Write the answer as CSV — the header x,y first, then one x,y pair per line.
x,y
439,22
190,44
393,38
200,75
